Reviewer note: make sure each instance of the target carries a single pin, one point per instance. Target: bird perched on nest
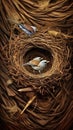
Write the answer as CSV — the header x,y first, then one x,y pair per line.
x,y
39,65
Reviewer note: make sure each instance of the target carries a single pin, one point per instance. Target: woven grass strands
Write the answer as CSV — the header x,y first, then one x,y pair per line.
x,y
29,100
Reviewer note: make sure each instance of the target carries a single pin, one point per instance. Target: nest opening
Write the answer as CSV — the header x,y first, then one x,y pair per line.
x,y
46,54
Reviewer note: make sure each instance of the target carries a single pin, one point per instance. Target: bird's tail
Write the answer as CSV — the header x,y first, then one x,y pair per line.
x,y
26,64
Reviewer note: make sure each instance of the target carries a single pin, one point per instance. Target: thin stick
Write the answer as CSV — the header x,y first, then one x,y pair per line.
x,y
28,104
25,89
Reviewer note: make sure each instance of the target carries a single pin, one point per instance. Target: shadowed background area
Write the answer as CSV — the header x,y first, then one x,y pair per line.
x,y
29,100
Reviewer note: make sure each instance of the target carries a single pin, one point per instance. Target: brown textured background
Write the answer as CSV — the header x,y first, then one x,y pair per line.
x,y
53,104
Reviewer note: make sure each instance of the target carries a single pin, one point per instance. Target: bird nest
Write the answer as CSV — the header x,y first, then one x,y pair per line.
x,y
31,99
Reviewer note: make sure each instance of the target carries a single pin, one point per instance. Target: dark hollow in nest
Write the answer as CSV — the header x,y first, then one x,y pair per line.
x,y
35,52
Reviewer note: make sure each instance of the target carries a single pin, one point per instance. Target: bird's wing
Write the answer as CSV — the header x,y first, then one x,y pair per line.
x,y
34,62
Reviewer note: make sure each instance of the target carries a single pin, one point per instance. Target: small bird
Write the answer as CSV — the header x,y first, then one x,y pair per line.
x,y
29,30
37,64
41,66
34,62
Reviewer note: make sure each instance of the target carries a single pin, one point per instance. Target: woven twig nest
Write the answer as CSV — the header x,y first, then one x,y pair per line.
x,y
28,88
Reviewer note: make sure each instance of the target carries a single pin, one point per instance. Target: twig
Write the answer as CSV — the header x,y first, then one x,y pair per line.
x,y
28,104
25,89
